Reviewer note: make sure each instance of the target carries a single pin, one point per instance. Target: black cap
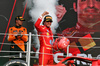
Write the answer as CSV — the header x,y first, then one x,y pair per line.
x,y
47,18
20,18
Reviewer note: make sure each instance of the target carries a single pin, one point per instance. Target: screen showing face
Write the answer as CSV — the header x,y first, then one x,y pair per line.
x,y
84,36
88,12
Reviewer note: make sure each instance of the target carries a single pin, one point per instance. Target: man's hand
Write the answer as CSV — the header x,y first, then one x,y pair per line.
x,y
60,12
45,13
19,34
15,34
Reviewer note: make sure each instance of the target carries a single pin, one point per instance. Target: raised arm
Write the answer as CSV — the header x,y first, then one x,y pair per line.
x,y
37,24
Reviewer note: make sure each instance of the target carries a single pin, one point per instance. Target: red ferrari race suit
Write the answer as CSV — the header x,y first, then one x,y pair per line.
x,y
45,39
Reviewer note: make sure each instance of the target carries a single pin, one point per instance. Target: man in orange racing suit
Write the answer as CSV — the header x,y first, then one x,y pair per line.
x,y
17,35
45,39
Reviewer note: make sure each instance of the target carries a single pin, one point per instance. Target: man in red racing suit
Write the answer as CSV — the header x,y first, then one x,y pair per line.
x,y
45,38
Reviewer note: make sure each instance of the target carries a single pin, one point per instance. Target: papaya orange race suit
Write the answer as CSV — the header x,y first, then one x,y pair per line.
x,y
19,39
46,39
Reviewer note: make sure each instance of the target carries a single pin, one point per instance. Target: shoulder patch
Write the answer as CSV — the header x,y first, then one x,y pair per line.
x,y
11,29
24,29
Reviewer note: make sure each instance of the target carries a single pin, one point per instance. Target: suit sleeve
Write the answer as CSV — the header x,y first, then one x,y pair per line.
x,y
10,36
24,37
37,24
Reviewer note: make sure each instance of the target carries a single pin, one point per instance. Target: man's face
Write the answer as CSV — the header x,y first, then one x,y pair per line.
x,y
19,22
47,24
88,12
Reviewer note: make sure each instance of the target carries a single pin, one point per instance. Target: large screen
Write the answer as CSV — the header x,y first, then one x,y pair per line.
x,y
81,24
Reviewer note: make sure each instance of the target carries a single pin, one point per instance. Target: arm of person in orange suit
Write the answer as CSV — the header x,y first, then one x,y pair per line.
x,y
25,37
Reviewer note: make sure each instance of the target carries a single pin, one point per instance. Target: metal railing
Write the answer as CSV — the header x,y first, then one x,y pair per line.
x,y
28,51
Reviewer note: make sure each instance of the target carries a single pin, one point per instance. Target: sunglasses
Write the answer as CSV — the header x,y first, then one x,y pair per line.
x,y
49,21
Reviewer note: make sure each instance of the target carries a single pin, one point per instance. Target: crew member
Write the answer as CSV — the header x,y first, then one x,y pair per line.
x,y
17,35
